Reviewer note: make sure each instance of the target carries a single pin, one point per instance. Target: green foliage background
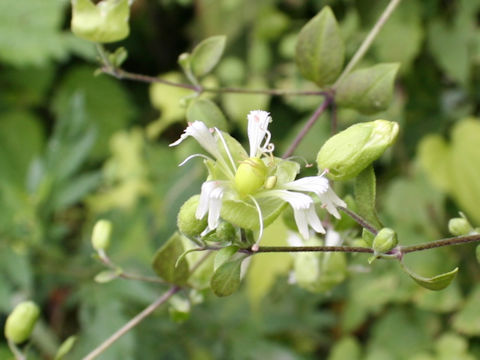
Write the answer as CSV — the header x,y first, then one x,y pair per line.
x,y
75,147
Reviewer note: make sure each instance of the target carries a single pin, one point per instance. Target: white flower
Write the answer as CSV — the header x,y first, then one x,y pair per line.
x,y
254,172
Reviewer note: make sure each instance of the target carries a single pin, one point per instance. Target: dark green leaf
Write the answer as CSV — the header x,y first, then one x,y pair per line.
x,y
165,259
320,50
226,279
368,90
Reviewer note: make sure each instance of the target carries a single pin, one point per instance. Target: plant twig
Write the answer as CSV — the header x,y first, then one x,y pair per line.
x,y
361,221
346,249
122,74
440,243
326,102
368,40
132,323
16,351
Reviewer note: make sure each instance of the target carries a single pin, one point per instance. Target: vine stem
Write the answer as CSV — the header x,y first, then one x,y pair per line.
x,y
323,106
458,240
132,323
122,74
359,220
368,40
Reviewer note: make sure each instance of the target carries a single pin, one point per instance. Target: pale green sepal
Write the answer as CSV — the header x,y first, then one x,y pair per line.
x,y
207,54
385,240
102,23
350,151
208,112
226,279
320,50
187,222
435,283
368,90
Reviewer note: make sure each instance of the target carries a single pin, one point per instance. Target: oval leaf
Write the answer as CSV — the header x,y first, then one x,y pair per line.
x,y
320,51
226,279
207,54
368,90
223,255
435,283
208,112
165,261
65,348
107,276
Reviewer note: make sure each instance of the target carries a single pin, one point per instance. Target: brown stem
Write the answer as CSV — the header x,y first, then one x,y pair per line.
x,y
361,221
328,100
440,243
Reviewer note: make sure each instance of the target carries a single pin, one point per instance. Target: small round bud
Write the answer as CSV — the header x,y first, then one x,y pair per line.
x,y
349,152
101,234
21,321
459,226
384,241
104,22
250,176
226,232
187,222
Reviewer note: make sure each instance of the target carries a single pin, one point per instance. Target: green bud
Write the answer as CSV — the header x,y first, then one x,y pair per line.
x,y
250,176
21,321
104,22
459,226
186,220
349,152
101,234
384,241
226,232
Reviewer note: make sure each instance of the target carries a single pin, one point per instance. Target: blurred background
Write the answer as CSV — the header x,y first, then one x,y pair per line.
x,y
76,147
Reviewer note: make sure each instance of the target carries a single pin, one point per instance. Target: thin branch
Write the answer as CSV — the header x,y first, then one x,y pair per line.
x,y
328,100
368,40
132,323
440,243
276,249
361,221
122,74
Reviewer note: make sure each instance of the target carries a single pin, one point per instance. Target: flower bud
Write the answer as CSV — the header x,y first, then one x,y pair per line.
x,y
349,152
187,222
102,23
21,321
384,241
101,234
459,226
225,232
250,176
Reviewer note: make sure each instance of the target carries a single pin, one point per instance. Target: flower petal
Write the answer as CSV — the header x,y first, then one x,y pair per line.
x,y
203,135
211,202
330,201
315,184
257,129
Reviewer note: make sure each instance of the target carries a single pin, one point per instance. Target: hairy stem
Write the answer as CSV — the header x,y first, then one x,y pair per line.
x,y
458,240
132,323
328,100
361,221
368,40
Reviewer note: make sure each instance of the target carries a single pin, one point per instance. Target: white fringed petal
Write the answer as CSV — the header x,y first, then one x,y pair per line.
x,y
203,135
258,121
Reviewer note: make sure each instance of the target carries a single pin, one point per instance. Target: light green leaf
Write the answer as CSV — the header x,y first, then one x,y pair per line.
x,y
107,276
368,90
438,282
207,54
208,112
165,259
320,50
347,348
365,197
65,348
434,156
224,255
226,279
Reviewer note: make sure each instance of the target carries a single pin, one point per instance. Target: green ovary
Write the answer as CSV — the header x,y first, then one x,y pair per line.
x,y
250,176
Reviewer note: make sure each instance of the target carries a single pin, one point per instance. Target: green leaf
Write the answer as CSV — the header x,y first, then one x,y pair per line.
x,y
208,112
347,348
165,259
224,255
320,50
226,279
368,90
65,348
435,283
107,276
207,54
365,195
